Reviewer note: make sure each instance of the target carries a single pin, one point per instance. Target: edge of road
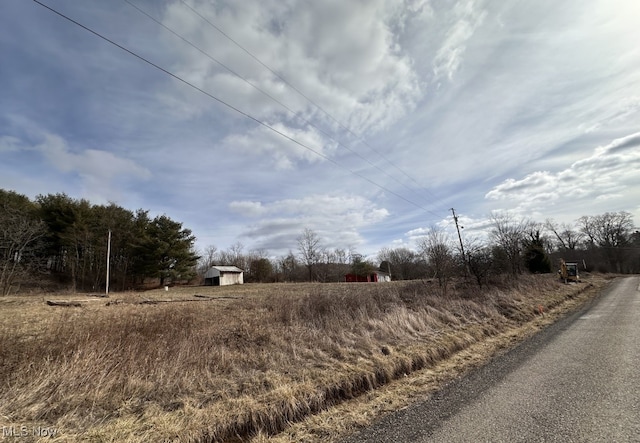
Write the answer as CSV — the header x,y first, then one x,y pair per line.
x,y
450,396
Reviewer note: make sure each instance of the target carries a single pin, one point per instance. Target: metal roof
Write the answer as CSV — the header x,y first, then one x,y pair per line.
x,y
227,268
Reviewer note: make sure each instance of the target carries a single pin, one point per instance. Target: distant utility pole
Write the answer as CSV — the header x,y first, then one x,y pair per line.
x,y
106,291
455,219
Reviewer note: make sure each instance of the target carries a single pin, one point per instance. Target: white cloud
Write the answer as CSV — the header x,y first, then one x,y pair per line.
x,y
311,146
352,209
610,173
419,7
54,166
98,171
9,143
468,17
341,55
247,208
336,218
617,112
526,91
95,166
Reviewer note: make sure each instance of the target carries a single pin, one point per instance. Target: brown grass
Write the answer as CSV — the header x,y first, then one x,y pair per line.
x,y
250,361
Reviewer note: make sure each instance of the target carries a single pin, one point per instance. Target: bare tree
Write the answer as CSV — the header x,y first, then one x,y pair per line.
x,y
322,265
207,259
331,265
18,233
437,249
236,255
611,229
309,249
611,232
403,262
340,256
567,238
233,256
287,266
508,234
479,260
210,255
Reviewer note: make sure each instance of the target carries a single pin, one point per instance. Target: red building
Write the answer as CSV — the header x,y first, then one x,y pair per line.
x,y
360,278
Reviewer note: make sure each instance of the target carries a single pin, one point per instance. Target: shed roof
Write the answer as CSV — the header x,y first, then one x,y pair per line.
x,y
227,268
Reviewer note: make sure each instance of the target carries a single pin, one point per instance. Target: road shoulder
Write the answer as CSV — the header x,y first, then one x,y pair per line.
x,y
337,423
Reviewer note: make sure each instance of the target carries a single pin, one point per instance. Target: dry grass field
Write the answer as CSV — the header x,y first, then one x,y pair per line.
x,y
236,363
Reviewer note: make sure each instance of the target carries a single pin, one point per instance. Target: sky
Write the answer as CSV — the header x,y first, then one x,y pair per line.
x,y
365,121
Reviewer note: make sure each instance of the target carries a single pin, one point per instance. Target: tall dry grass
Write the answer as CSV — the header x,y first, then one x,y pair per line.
x,y
216,371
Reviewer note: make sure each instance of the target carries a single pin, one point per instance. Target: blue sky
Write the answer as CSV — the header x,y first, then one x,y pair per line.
x,y
376,117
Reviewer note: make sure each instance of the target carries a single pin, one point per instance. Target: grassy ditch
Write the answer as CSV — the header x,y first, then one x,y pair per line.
x,y
245,361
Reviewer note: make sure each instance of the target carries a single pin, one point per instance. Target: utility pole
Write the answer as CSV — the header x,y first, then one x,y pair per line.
x,y
455,219
106,291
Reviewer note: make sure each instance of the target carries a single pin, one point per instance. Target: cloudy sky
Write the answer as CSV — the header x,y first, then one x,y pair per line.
x,y
364,120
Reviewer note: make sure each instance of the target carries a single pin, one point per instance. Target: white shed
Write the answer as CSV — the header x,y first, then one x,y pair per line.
x,y
223,275
383,276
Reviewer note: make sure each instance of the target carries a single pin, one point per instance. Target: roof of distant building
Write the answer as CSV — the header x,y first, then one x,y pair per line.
x,y
227,268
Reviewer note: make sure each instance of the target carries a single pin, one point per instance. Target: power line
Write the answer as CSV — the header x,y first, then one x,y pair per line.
x,y
296,114
285,81
261,123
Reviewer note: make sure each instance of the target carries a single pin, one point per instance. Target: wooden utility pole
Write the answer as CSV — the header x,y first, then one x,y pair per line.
x,y
455,219
106,290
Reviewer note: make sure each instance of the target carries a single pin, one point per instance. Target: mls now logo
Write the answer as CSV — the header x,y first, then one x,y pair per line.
x,y
26,431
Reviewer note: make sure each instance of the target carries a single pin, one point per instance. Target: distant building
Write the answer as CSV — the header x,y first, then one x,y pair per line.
x,y
224,275
374,277
383,276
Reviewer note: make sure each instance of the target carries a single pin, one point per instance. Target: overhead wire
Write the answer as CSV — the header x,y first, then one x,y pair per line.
x,y
295,113
228,105
302,94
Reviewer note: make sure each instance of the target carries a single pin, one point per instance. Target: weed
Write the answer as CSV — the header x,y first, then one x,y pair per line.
x,y
248,364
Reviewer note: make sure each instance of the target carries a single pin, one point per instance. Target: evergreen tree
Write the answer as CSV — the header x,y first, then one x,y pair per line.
x,y
361,267
165,250
535,256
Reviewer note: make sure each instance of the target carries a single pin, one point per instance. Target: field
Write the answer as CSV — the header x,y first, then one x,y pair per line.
x,y
245,362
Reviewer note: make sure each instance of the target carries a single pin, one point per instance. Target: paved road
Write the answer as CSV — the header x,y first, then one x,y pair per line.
x,y
577,381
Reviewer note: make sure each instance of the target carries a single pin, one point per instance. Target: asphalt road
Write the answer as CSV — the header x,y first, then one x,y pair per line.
x,y
576,381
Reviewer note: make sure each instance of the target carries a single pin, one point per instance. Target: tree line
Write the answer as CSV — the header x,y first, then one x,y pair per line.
x,y
606,243
63,241
310,261
514,245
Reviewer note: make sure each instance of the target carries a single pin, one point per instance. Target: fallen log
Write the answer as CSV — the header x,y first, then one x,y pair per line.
x,y
149,301
155,302
218,297
66,303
